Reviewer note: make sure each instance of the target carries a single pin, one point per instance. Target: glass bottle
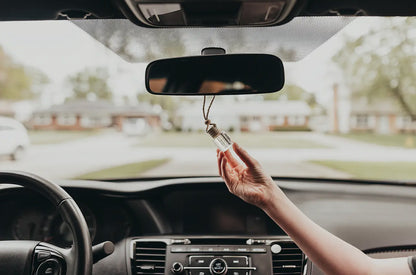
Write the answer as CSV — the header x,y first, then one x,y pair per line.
x,y
221,138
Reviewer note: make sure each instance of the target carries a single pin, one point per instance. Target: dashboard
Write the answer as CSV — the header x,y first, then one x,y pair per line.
x,y
26,216
194,226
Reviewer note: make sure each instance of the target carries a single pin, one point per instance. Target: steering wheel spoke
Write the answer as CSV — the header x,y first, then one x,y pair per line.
x,y
51,260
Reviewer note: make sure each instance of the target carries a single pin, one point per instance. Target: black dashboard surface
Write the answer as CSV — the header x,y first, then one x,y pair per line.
x,y
369,216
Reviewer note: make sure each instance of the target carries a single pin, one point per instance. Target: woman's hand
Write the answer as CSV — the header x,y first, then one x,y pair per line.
x,y
246,180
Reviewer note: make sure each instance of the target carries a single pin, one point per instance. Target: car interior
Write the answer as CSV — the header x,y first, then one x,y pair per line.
x,y
188,222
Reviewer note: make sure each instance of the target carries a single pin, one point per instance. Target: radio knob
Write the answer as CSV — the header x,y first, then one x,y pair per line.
x,y
218,266
177,268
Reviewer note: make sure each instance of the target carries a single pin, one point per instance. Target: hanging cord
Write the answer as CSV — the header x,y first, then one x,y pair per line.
x,y
206,115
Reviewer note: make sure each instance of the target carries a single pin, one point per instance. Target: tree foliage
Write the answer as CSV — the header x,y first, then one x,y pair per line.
x,y
90,84
381,65
18,82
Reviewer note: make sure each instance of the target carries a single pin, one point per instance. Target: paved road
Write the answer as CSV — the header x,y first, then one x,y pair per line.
x,y
67,160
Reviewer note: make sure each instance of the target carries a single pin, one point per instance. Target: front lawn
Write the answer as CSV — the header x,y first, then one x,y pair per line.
x,y
374,170
399,140
131,170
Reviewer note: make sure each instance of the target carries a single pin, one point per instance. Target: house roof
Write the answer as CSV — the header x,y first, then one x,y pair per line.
x,y
375,107
83,107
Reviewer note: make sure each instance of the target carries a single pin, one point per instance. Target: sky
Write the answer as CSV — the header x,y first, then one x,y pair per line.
x,y
59,49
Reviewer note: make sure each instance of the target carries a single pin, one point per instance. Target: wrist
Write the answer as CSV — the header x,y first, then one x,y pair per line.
x,y
275,201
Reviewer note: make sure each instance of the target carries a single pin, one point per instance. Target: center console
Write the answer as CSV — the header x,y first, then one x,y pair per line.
x,y
216,256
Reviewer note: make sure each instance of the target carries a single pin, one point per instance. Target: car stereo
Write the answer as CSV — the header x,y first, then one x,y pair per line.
x,y
216,256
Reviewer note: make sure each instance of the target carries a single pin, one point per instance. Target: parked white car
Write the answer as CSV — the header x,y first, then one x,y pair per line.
x,y
14,139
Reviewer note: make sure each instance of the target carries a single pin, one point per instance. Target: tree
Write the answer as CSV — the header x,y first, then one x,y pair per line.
x,y
381,65
90,83
18,82
292,92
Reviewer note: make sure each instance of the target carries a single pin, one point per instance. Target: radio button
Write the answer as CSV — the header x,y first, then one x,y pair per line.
x,y
200,261
236,261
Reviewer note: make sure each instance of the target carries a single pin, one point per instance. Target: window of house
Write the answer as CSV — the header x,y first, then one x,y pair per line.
x,y
66,119
244,119
280,120
361,121
94,121
403,122
42,119
296,120
277,120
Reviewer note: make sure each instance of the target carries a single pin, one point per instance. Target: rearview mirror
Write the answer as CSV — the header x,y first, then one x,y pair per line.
x,y
216,75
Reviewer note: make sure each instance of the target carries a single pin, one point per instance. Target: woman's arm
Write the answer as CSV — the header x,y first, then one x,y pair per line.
x,y
328,252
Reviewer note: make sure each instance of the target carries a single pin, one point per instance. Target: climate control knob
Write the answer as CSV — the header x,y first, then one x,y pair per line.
x,y
218,266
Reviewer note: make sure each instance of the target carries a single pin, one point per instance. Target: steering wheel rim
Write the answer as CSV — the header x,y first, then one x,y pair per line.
x,y
79,257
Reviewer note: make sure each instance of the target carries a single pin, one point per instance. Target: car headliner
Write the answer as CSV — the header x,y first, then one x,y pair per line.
x,y
51,9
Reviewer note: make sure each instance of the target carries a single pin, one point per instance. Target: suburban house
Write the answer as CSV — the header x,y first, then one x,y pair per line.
x,y
82,115
248,116
381,117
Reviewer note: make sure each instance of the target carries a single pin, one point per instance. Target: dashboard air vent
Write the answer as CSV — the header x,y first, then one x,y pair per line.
x,y
289,260
149,258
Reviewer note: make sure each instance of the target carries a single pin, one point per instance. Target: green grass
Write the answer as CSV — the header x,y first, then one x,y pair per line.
x,y
374,170
130,170
53,137
399,140
249,140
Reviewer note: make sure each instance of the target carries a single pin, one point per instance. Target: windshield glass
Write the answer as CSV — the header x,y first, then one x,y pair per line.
x,y
73,103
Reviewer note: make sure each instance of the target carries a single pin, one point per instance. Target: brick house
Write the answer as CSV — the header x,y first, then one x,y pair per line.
x,y
83,115
250,116
381,117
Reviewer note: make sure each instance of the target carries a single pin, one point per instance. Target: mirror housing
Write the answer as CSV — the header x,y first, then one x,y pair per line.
x,y
228,74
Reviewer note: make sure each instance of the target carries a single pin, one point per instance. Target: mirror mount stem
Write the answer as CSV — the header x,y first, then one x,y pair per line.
x,y
212,51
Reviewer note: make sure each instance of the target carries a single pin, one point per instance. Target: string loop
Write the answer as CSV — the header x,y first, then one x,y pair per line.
x,y
206,114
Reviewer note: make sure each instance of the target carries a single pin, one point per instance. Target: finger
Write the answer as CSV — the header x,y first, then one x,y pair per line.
x,y
224,171
218,152
244,156
232,160
227,175
219,158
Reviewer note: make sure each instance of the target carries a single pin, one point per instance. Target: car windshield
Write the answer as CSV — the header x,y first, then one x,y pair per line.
x,y
73,103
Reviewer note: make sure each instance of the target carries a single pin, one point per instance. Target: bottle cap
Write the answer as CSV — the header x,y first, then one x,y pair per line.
x,y
213,131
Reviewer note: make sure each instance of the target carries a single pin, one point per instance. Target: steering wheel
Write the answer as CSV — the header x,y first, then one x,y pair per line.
x,y
40,258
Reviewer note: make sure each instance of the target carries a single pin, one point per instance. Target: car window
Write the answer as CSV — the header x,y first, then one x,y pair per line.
x,y
347,109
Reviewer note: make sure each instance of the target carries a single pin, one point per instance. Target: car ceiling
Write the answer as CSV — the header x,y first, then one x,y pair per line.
x,y
116,9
